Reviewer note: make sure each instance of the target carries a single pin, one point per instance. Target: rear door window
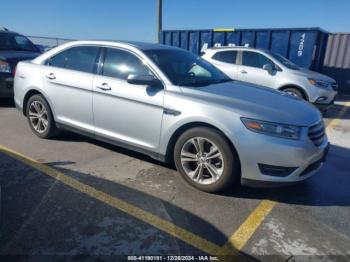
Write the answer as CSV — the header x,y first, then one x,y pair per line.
x,y
80,58
226,56
254,59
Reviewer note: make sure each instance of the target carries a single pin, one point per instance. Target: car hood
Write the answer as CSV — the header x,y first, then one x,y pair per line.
x,y
258,102
312,74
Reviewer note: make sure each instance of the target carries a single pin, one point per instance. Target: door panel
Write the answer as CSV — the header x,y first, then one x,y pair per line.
x,y
251,69
256,76
70,93
68,78
226,62
126,112
231,70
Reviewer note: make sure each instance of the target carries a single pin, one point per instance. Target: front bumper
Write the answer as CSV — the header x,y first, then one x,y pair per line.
x,y
305,158
6,86
323,98
325,106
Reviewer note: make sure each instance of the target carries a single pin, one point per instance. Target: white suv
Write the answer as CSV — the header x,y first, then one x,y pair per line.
x,y
263,67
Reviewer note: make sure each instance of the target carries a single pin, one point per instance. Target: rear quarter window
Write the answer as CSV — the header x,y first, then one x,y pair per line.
x,y
226,56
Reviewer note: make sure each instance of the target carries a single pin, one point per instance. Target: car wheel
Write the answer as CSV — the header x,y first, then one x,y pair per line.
x,y
205,159
40,117
294,92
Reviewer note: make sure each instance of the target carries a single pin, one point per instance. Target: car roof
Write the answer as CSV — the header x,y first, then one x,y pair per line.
x,y
135,44
147,46
8,32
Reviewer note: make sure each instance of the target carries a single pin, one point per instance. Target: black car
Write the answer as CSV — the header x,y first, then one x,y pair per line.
x,y
13,48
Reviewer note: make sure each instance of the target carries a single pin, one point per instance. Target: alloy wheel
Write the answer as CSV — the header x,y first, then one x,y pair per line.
x,y
38,116
202,160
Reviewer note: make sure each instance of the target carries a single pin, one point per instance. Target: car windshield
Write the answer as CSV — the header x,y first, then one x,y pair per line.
x,y
284,61
186,69
14,42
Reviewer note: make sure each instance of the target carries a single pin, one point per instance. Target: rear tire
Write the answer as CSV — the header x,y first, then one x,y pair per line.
x,y
213,167
40,117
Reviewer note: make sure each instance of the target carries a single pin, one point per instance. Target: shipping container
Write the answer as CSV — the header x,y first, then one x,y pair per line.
x,y
337,60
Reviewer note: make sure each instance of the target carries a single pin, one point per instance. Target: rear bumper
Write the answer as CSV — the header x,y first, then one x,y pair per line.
x,y
6,87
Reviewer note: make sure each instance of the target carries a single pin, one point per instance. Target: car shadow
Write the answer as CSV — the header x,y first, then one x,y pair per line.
x,y
328,187
7,102
343,98
73,137
42,217
333,112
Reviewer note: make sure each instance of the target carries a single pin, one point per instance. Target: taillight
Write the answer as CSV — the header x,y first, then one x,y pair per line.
x,y
4,67
14,71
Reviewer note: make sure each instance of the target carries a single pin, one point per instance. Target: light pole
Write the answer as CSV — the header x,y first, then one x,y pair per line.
x,y
160,17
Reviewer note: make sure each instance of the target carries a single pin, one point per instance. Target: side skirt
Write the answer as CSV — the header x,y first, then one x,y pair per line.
x,y
153,155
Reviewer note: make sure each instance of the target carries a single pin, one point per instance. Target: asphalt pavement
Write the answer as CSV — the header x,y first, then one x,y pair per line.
x,y
75,198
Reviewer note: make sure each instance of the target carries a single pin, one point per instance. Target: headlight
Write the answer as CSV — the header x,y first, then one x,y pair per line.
x,y
318,83
272,129
4,67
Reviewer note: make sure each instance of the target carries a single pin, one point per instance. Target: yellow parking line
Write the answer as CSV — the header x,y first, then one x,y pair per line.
x,y
129,209
241,236
250,225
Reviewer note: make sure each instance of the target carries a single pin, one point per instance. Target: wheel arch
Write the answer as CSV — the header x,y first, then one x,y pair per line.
x,y
31,92
299,88
169,156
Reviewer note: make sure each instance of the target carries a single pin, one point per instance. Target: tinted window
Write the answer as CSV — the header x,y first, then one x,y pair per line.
x,y
16,42
254,59
58,60
120,64
186,69
226,56
81,58
284,61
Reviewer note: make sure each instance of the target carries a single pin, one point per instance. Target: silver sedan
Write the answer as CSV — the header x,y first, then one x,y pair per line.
x,y
174,106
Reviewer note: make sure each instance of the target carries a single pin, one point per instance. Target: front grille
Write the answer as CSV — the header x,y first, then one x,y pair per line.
x,y
334,86
317,133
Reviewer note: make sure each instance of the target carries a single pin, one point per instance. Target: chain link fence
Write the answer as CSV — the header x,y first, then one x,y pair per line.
x,y
46,43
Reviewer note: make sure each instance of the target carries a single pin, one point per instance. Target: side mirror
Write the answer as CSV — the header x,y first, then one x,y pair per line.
x,y
149,80
268,68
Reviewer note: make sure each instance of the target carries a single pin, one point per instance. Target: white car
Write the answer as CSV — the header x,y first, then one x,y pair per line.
x,y
263,67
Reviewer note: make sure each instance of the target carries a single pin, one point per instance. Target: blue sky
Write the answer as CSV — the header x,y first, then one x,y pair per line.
x,y
136,19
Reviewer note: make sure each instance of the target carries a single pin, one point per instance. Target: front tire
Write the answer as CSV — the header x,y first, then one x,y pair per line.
x,y
294,92
40,117
205,159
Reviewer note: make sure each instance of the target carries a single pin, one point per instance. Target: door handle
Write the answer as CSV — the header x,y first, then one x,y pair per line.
x,y
104,87
243,72
51,76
